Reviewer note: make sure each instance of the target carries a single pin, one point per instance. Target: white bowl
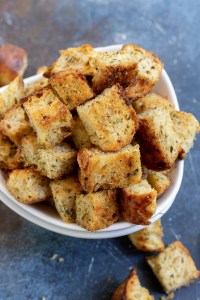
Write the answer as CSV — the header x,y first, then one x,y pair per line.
x,y
45,217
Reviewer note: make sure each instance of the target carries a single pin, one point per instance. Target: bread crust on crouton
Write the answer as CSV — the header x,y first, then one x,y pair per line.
x,y
49,117
64,193
158,139
71,87
100,170
138,203
149,238
28,186
174,267
158,181
95,211
131,289
109,122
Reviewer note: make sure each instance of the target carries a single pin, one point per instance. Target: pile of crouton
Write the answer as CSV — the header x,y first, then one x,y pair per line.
x,y
91,135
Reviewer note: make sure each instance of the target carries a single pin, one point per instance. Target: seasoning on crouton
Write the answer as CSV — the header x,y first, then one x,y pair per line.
x,y
29,149
100,170
95,211
49,117
149,238
79,134
64,195
36,85
73,59
28,186
186,126
174,267
159,142
13,62
148,71
15,124
57,161
138,203
109,122
159,181
151,101
11,95
131,289
72,88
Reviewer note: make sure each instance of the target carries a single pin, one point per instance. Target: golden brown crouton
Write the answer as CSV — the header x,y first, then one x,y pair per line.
x,y
174,267
95,211
100,170
11,95
29,149
149,238
57,161
138,203
49,117
28,186
150,101
13,62
109,122
15,124
131,289
64,194
158,181
79,134
71,87
186,126
36,85
159,142
73,59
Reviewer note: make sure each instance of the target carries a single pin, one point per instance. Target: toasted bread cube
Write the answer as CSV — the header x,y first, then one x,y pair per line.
x,y
174,267
73,59
186,126
49,117
158,181
11,95
72,88
95,211
64,194
35,86
149,238
57,161
151,101
100,170
15,124
28,186
138,203
131,289
29,149
79,134
109,122
159,142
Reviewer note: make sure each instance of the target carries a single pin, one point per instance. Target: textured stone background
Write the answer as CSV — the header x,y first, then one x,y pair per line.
x,y
92,269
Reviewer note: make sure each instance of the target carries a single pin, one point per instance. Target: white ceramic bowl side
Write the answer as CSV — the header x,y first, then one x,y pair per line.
x,y
45,217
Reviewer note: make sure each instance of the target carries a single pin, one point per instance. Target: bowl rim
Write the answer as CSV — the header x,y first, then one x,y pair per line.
x,y
119,228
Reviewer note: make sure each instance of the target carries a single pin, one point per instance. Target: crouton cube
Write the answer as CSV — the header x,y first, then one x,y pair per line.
x,y
150,101
15,124
57,161
72,88
11,95
79,134
186,126
64,194
49,117
95,211
158,181
29,149
28,186
138,203
35,86
109,122
159,142
73,59
131,289
149,238
174,267
100,170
